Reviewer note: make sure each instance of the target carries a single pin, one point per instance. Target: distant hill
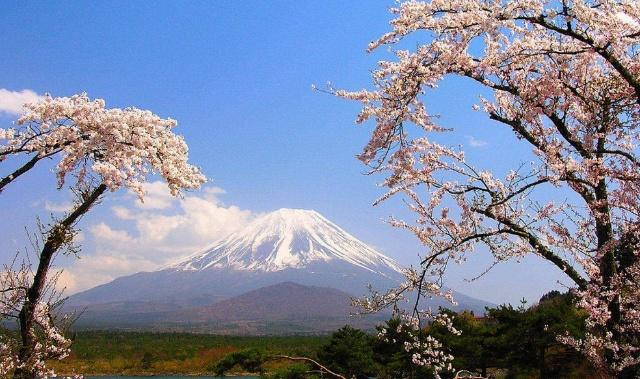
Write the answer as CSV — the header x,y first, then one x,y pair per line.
x,y
288,265
283,308
302,302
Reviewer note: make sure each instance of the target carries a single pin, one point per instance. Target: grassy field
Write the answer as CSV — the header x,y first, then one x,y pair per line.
x,y
141,353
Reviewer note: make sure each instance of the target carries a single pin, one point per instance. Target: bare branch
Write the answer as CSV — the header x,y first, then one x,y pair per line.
x,y
322,368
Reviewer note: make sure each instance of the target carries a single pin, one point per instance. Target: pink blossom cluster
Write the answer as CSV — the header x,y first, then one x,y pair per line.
x,y
424,349
51,344
103,149
415,282
121,146
564,78
623,288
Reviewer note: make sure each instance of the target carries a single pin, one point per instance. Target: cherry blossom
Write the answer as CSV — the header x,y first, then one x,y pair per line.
x,y
103,150
424,349
564,78
121,146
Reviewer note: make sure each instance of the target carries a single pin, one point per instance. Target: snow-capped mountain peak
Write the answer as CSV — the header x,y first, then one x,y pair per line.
x,y
289,239
282,256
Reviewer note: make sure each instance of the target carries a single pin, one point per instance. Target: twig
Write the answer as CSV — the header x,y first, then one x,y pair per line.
x,y
305,359
464,374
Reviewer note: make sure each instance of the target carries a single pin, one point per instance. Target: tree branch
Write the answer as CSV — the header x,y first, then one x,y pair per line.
x,y
305,359
56,238
23,169
602,51
537,245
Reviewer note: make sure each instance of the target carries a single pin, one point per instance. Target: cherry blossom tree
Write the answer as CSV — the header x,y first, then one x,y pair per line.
x,y
101,149
48,328
564,78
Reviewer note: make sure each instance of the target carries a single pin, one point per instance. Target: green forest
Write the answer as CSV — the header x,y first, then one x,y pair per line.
x,y
506,342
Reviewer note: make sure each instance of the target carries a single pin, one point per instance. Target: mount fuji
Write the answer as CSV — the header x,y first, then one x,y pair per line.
x,y
290,239
288,246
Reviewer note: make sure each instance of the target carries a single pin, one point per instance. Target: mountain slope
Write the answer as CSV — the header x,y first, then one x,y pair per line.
x,y
287,245
283,308
302,302
289,238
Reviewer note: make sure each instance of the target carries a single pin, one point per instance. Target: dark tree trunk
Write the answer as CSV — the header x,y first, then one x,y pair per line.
x,y
543,368
56,238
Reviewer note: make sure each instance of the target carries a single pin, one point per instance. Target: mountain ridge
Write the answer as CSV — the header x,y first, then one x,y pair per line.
x,y
287,245
287,238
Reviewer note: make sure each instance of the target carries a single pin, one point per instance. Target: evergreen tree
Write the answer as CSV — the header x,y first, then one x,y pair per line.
x,y
350,352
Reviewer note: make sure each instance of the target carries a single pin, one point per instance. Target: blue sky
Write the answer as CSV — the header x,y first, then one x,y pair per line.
x,y
237,76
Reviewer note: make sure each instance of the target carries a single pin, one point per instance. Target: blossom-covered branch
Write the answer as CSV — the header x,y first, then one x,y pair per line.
x,y
122,146
564,78
104,150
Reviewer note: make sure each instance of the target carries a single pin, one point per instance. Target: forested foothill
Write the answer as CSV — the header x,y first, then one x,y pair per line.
x,y
507,342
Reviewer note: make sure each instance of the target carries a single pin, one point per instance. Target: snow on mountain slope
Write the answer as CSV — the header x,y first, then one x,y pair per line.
x,y
243,271
286,239
286,245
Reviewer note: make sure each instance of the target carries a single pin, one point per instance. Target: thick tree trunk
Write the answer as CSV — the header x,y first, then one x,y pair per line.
x,y
543,368
56,238
606,245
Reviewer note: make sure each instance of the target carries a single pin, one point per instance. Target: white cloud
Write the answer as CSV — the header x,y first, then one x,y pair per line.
x,y
159,232
104,232
11,102
122,213
57,207
156,196
66,281
474,142
89,271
